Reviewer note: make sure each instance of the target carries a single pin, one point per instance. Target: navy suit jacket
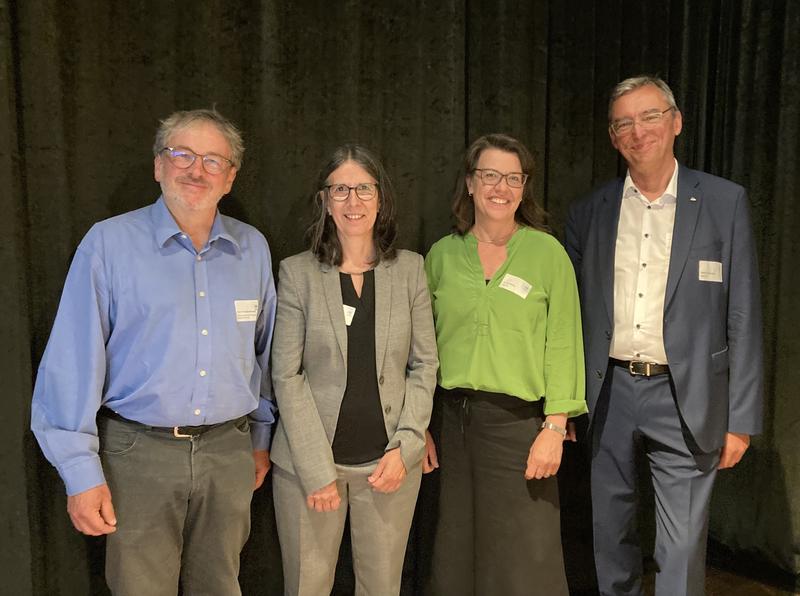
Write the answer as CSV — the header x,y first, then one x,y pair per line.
x,y
712,330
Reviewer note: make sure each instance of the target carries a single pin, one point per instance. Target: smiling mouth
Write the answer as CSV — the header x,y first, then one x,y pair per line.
x,y
353,216
499,201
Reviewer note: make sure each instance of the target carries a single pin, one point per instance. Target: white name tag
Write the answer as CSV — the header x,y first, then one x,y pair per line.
x,y
349,313
516,285
246,310
710,271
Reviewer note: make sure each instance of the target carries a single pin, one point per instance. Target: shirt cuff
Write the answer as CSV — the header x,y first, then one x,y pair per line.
x,y
570,407
82,476
260,435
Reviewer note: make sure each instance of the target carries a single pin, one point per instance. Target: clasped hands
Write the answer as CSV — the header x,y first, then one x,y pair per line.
x,y
387,478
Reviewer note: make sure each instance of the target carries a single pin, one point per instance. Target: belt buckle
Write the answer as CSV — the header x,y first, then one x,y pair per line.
x,y
635,373
178,435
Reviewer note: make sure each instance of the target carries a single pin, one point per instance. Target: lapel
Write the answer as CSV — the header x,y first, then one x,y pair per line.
x,y
333,297
686,212
383,307
608,221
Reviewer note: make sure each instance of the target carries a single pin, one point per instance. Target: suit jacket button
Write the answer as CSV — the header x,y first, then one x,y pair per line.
x,y
608,335
388,409
599,374
380,380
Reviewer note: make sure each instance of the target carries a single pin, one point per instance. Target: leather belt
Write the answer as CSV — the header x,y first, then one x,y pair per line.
x,y
641,369
180,432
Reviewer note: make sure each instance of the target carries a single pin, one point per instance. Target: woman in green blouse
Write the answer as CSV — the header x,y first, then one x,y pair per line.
x,y
508,330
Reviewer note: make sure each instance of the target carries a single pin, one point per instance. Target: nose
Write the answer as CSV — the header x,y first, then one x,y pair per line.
x,y
196,169
503,182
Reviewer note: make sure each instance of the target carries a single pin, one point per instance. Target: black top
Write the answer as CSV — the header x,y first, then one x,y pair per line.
x,y
360,431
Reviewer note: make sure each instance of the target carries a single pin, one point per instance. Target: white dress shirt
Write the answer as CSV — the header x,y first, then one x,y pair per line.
x,y
641,265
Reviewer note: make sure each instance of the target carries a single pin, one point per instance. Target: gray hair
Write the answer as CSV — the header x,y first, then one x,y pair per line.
x,y
181,119
634,83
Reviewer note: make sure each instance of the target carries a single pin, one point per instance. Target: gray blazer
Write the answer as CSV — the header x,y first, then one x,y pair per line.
x,y
309,362
712,330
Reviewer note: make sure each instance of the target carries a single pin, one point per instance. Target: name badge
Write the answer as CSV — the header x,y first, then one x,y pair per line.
x,y
246,310
516,285
710,271
349,313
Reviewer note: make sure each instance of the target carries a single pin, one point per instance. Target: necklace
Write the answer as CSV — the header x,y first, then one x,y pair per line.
x,y
502,241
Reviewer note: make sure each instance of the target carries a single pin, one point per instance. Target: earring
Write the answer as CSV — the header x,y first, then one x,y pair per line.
x,y
469,195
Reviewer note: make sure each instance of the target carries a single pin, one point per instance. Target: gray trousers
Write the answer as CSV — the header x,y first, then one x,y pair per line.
x,y
182,507
497,534
379,526
639,413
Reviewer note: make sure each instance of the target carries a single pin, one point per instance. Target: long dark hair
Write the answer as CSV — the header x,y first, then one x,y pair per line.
x,y
529,213
323,240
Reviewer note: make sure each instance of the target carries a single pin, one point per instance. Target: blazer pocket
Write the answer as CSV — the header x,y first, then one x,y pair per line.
x,y
719,361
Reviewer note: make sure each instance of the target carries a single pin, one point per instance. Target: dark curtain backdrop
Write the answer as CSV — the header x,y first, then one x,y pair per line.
x,y
84,83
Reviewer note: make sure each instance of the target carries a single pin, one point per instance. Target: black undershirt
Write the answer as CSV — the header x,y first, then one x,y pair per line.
x,y
360,431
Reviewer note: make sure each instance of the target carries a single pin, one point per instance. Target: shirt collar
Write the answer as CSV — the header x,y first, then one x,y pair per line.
x,y
670,193
166,227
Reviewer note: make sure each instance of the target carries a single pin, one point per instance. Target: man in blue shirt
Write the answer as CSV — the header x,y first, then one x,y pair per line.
x,y
153,398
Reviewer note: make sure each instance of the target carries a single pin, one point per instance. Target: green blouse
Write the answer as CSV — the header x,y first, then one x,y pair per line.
x,y
519,334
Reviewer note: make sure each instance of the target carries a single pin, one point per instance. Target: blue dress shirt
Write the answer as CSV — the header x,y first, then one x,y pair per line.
x,y
158,332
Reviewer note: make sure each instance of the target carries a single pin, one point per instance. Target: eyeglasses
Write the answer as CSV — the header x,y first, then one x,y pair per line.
x,y
493,177
184,158
365,191
647,120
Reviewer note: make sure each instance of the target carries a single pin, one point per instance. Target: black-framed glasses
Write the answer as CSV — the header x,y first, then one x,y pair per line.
x,y
493,177
649,119
365,191
184,158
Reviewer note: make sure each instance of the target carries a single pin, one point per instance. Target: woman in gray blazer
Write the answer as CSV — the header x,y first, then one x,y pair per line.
x,y
354,369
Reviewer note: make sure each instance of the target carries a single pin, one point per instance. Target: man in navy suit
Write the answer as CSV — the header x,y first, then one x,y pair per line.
x,y
669,287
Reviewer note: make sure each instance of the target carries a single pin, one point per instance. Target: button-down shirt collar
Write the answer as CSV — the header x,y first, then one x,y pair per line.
x,y
166,227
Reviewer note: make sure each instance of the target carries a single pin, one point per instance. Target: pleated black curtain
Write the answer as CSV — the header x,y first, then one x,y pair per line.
x,y
83,84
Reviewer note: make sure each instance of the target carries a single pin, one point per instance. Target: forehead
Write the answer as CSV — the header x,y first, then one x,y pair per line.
x,y
350,172
201,137
639,100
497,159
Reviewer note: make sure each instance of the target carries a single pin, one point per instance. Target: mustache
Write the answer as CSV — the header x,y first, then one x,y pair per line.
x,y
193,180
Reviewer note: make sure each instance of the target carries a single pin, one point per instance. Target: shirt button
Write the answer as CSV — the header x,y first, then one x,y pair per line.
x,y
644,264
638,355
638,326
647,235
197,412
183,236
599,374
204,332
203,373
640,294
649,207
201,294
199,258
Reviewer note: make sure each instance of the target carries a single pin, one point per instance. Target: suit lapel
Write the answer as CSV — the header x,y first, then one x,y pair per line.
x,y
606,244
333,297
383,308
686,212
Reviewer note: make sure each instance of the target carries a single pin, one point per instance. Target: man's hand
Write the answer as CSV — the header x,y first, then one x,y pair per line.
x,y
261,457
390,472
544,456
325,499
733,450
91,511
430,460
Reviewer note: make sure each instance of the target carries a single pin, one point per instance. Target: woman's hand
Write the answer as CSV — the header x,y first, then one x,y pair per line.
x,y
325,499
544,457
389,474
430,460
